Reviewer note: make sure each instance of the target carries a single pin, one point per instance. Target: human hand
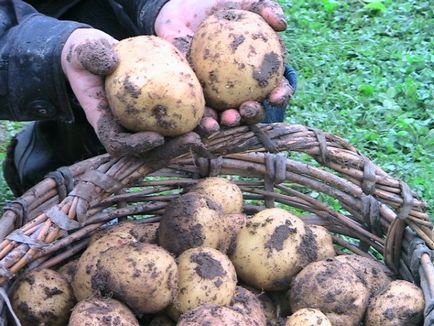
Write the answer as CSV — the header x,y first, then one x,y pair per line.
x,y
177,22
87,57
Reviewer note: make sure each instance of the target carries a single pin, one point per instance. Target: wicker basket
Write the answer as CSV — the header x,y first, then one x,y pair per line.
x,y
319,176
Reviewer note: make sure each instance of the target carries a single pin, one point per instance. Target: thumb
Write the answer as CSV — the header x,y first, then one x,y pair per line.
x,y
270,11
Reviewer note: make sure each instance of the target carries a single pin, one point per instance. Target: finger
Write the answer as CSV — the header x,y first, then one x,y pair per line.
x,y
281,95
177,33
230,118
251,112
97,56
136,144
270,11
207,126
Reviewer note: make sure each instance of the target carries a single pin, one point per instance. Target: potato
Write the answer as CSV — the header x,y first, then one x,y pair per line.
x,y
42,298
205,276
142,275
272,247
332,287
324,242
161,321
223,191
86,266
401,303
189,221
308,317
98,311
153,88
213,315
237,57
247,303
270,306
374,274
141,231
232,224
68,270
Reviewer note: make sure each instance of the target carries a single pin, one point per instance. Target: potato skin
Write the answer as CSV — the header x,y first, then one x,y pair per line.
x,y
401,303
143,232
142,275
153,88
308,317
237,57
223,191
189,221
86,266
98,311
333,288
206,276
248,304
213,315
324,242
42,298
271,248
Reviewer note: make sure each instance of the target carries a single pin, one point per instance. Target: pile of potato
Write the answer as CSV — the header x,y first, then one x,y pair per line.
x,y
206,263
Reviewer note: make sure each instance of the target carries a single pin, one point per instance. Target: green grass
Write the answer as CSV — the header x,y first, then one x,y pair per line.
x,y
366,74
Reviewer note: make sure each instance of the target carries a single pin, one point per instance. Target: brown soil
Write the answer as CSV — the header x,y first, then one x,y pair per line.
x,y
97,57
207,266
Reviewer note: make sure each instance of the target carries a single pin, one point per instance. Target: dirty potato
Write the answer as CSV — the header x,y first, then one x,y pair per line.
x,y
325,242
333,288
213,315
223,191
153,88
68,270
42,298
142,275
99,311
271,248
401,303
141,231
189,221
237,57
205,276
248,304
308,317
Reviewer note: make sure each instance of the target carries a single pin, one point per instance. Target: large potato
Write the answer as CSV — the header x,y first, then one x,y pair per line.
x,y
205,276
142,275
96,312
223,191
214,315
189,221
271,248
237,57
333,288
154,88
42,298
375,274
308,317
401,303
86,266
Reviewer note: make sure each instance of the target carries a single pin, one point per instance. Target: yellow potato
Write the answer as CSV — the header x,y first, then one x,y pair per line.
x,y
308,317
154,88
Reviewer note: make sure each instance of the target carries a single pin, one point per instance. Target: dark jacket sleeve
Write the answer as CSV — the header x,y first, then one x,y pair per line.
x,y
139,15
32,83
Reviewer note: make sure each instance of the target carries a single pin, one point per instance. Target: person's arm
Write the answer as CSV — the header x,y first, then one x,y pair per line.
x,y
32,83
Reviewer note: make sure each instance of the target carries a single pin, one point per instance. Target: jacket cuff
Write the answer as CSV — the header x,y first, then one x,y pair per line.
x,y
147,15
37,85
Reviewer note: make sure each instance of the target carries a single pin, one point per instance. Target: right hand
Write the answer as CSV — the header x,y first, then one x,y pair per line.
x,y
87,57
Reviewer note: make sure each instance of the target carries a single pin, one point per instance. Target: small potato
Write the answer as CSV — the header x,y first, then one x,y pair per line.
x,y
86,266
237,57
375,274
308,317
248,304
141,231
154,88
205,276
324,242
189,221
232,224
68,270
98,311
142,275
42,298
401,303
271,248
213,315
332,287
161,321
223,191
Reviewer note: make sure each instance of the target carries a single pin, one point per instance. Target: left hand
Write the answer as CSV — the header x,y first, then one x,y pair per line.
x,y
179,19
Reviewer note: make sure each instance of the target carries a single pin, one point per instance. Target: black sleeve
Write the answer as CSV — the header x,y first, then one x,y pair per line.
x,y
32,82
140,15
